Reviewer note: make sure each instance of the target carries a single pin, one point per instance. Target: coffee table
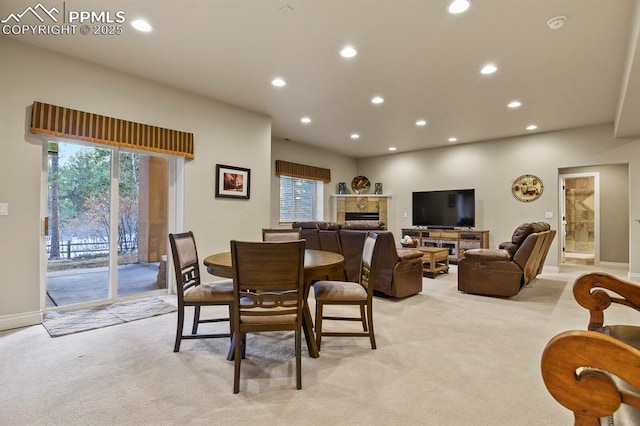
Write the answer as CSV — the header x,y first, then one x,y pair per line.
x,y
435,260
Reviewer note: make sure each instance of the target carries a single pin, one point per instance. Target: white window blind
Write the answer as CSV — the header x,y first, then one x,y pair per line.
x,y
299,199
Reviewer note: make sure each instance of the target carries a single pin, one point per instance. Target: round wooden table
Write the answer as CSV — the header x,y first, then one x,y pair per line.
x,y
318,265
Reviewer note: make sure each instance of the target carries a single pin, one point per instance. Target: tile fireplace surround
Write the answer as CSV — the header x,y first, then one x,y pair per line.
x,y
360,203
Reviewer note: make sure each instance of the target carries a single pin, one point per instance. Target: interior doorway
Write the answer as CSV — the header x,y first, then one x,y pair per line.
x,y
580,203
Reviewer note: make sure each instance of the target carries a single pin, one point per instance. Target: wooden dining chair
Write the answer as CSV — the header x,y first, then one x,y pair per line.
x,y
281,234
349,293
268,286
192,292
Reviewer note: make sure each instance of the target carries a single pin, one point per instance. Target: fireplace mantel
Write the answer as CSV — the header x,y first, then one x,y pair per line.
x,y
360,203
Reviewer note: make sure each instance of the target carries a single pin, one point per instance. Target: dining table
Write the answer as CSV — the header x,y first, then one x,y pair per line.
x,y
318,265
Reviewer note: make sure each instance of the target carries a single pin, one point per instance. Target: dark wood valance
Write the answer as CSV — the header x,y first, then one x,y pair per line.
x,y
302,171
52,120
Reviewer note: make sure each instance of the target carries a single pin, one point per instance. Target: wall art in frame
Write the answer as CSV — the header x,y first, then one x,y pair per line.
x,y
232,182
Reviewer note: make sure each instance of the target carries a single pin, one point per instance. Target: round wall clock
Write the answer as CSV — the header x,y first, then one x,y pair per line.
x,y
527,188
360,185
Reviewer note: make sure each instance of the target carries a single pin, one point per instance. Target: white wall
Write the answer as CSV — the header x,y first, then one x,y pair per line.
x,y
343,169
223,134
490,167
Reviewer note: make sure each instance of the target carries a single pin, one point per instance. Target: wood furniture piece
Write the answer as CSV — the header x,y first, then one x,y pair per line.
x,y
358,293
585,372
596,372
455,240
318,265
192,292
268,288
435,261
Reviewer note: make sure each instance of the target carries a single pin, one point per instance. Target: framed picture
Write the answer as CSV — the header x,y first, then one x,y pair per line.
x,y
232,182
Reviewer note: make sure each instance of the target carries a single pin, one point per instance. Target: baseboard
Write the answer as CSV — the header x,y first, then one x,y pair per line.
x,y
633,276
615,265
25,319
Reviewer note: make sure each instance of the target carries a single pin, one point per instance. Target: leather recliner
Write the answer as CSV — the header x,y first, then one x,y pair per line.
x,y
503,271
396,272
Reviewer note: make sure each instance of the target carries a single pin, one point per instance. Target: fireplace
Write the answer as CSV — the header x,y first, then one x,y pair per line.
x,y
361,216
360,207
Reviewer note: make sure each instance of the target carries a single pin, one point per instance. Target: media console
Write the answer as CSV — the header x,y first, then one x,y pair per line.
x,y
457,241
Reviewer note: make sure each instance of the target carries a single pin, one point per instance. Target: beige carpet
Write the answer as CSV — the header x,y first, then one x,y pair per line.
x,y
60,323
443,358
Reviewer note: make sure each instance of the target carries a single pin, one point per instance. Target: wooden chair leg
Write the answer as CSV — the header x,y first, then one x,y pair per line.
x,y
298,343
237,359
318,323
180,325
196,319
363,317
231,323
372,337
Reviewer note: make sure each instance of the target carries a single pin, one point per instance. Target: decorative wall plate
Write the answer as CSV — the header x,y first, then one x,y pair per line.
x,y
527,188
360,185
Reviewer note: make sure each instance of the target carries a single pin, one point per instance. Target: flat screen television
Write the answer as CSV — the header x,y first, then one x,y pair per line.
x,y
445,209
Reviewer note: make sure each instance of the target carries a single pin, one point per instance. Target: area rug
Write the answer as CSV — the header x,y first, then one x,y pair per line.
x,y
60,323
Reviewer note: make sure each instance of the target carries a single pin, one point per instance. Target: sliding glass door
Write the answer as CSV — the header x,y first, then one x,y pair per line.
x,y
107,223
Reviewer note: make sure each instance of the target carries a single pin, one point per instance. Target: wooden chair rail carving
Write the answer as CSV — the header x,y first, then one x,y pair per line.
x,y
590,291
577,369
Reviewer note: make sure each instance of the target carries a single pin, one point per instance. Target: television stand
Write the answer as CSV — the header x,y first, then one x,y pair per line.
x,y
455,240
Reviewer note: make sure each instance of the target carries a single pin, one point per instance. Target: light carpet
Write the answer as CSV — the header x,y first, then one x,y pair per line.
x,y
444,358
60,323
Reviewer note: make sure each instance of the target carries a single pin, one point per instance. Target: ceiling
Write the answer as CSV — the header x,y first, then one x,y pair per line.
x,y
423,60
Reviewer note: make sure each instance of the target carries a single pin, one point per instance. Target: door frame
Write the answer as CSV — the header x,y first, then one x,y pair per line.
x,y
175,215
596,218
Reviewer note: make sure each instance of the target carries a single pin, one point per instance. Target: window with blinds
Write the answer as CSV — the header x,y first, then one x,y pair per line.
x,y
299,199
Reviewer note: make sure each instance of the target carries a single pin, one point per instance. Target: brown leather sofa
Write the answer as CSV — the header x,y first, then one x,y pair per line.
x,y
503,271
397,272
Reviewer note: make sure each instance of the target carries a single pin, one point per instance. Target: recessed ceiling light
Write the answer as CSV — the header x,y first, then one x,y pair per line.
x,y
459,6
489,69
141,25
421,123
348,52
514,104
532,127
305,120
392,148
377,100
278,82
453,139
355,136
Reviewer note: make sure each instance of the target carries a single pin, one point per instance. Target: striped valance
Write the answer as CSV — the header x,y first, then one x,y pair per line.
x,y
302,171
69,123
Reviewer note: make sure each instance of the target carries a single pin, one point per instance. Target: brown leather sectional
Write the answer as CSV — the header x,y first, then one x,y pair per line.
x,y
397,272
503,271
